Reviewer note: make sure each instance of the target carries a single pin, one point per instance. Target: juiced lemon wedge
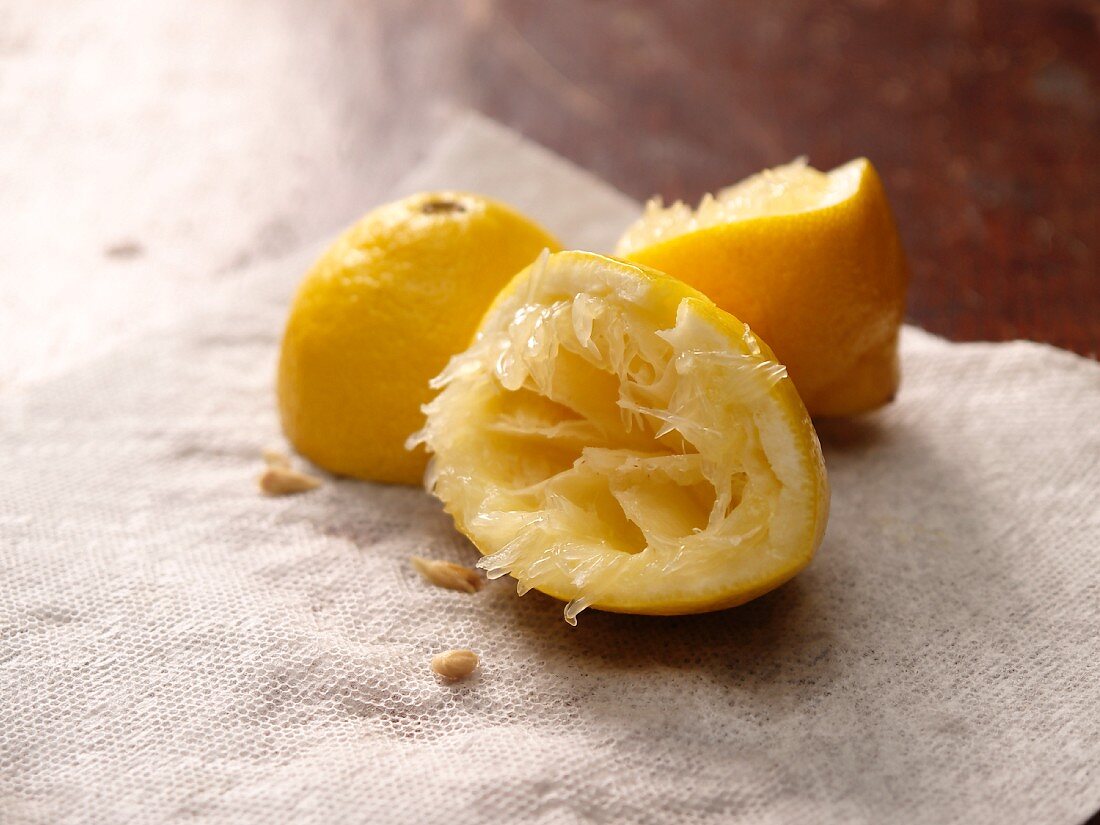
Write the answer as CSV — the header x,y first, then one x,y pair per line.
x,y
812,260
615,440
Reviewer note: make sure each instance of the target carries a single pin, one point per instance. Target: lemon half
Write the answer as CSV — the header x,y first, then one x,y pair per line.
x,y
381,312
811,260
615,440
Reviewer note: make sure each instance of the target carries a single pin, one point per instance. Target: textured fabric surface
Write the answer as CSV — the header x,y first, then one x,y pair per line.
x,y
173,646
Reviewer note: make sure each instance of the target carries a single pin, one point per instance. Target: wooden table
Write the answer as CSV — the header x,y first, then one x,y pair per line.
x,y
983,117
149,149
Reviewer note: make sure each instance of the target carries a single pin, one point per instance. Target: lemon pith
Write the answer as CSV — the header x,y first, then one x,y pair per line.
x,y
380,313
615,440
811,260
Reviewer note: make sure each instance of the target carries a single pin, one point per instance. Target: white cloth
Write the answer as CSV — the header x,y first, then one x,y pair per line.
x,y
173,646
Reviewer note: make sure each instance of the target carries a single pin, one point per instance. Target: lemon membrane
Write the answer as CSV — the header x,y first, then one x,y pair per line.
x,y
613,439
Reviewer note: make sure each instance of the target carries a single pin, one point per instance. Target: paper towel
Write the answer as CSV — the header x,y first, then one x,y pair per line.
x,y
173,646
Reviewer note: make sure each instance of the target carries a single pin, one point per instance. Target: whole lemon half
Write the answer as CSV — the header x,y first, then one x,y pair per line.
x,y
810,260
381,312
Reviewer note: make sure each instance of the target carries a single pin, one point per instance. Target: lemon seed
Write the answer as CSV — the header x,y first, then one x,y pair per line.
x,y
455,664
282,481
446,574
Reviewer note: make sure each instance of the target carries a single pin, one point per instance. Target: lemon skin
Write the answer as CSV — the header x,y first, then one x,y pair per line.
x,y
380,313
824,287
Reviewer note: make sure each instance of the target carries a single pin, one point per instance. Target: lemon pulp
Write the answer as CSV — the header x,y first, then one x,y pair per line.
x,y
615,440
785,190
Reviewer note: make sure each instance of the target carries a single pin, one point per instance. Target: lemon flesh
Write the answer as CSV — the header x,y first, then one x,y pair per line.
x,y
812,260
380,313
613,439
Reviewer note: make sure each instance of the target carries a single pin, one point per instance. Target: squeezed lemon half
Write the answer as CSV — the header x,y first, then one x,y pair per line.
x,y
812,260
613,439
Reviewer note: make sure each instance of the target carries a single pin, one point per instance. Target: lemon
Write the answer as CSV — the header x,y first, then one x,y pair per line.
x,y
380,313
615,440
812,261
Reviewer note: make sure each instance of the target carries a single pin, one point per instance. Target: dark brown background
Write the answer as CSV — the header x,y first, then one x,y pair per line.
x,y
982,117
149,151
